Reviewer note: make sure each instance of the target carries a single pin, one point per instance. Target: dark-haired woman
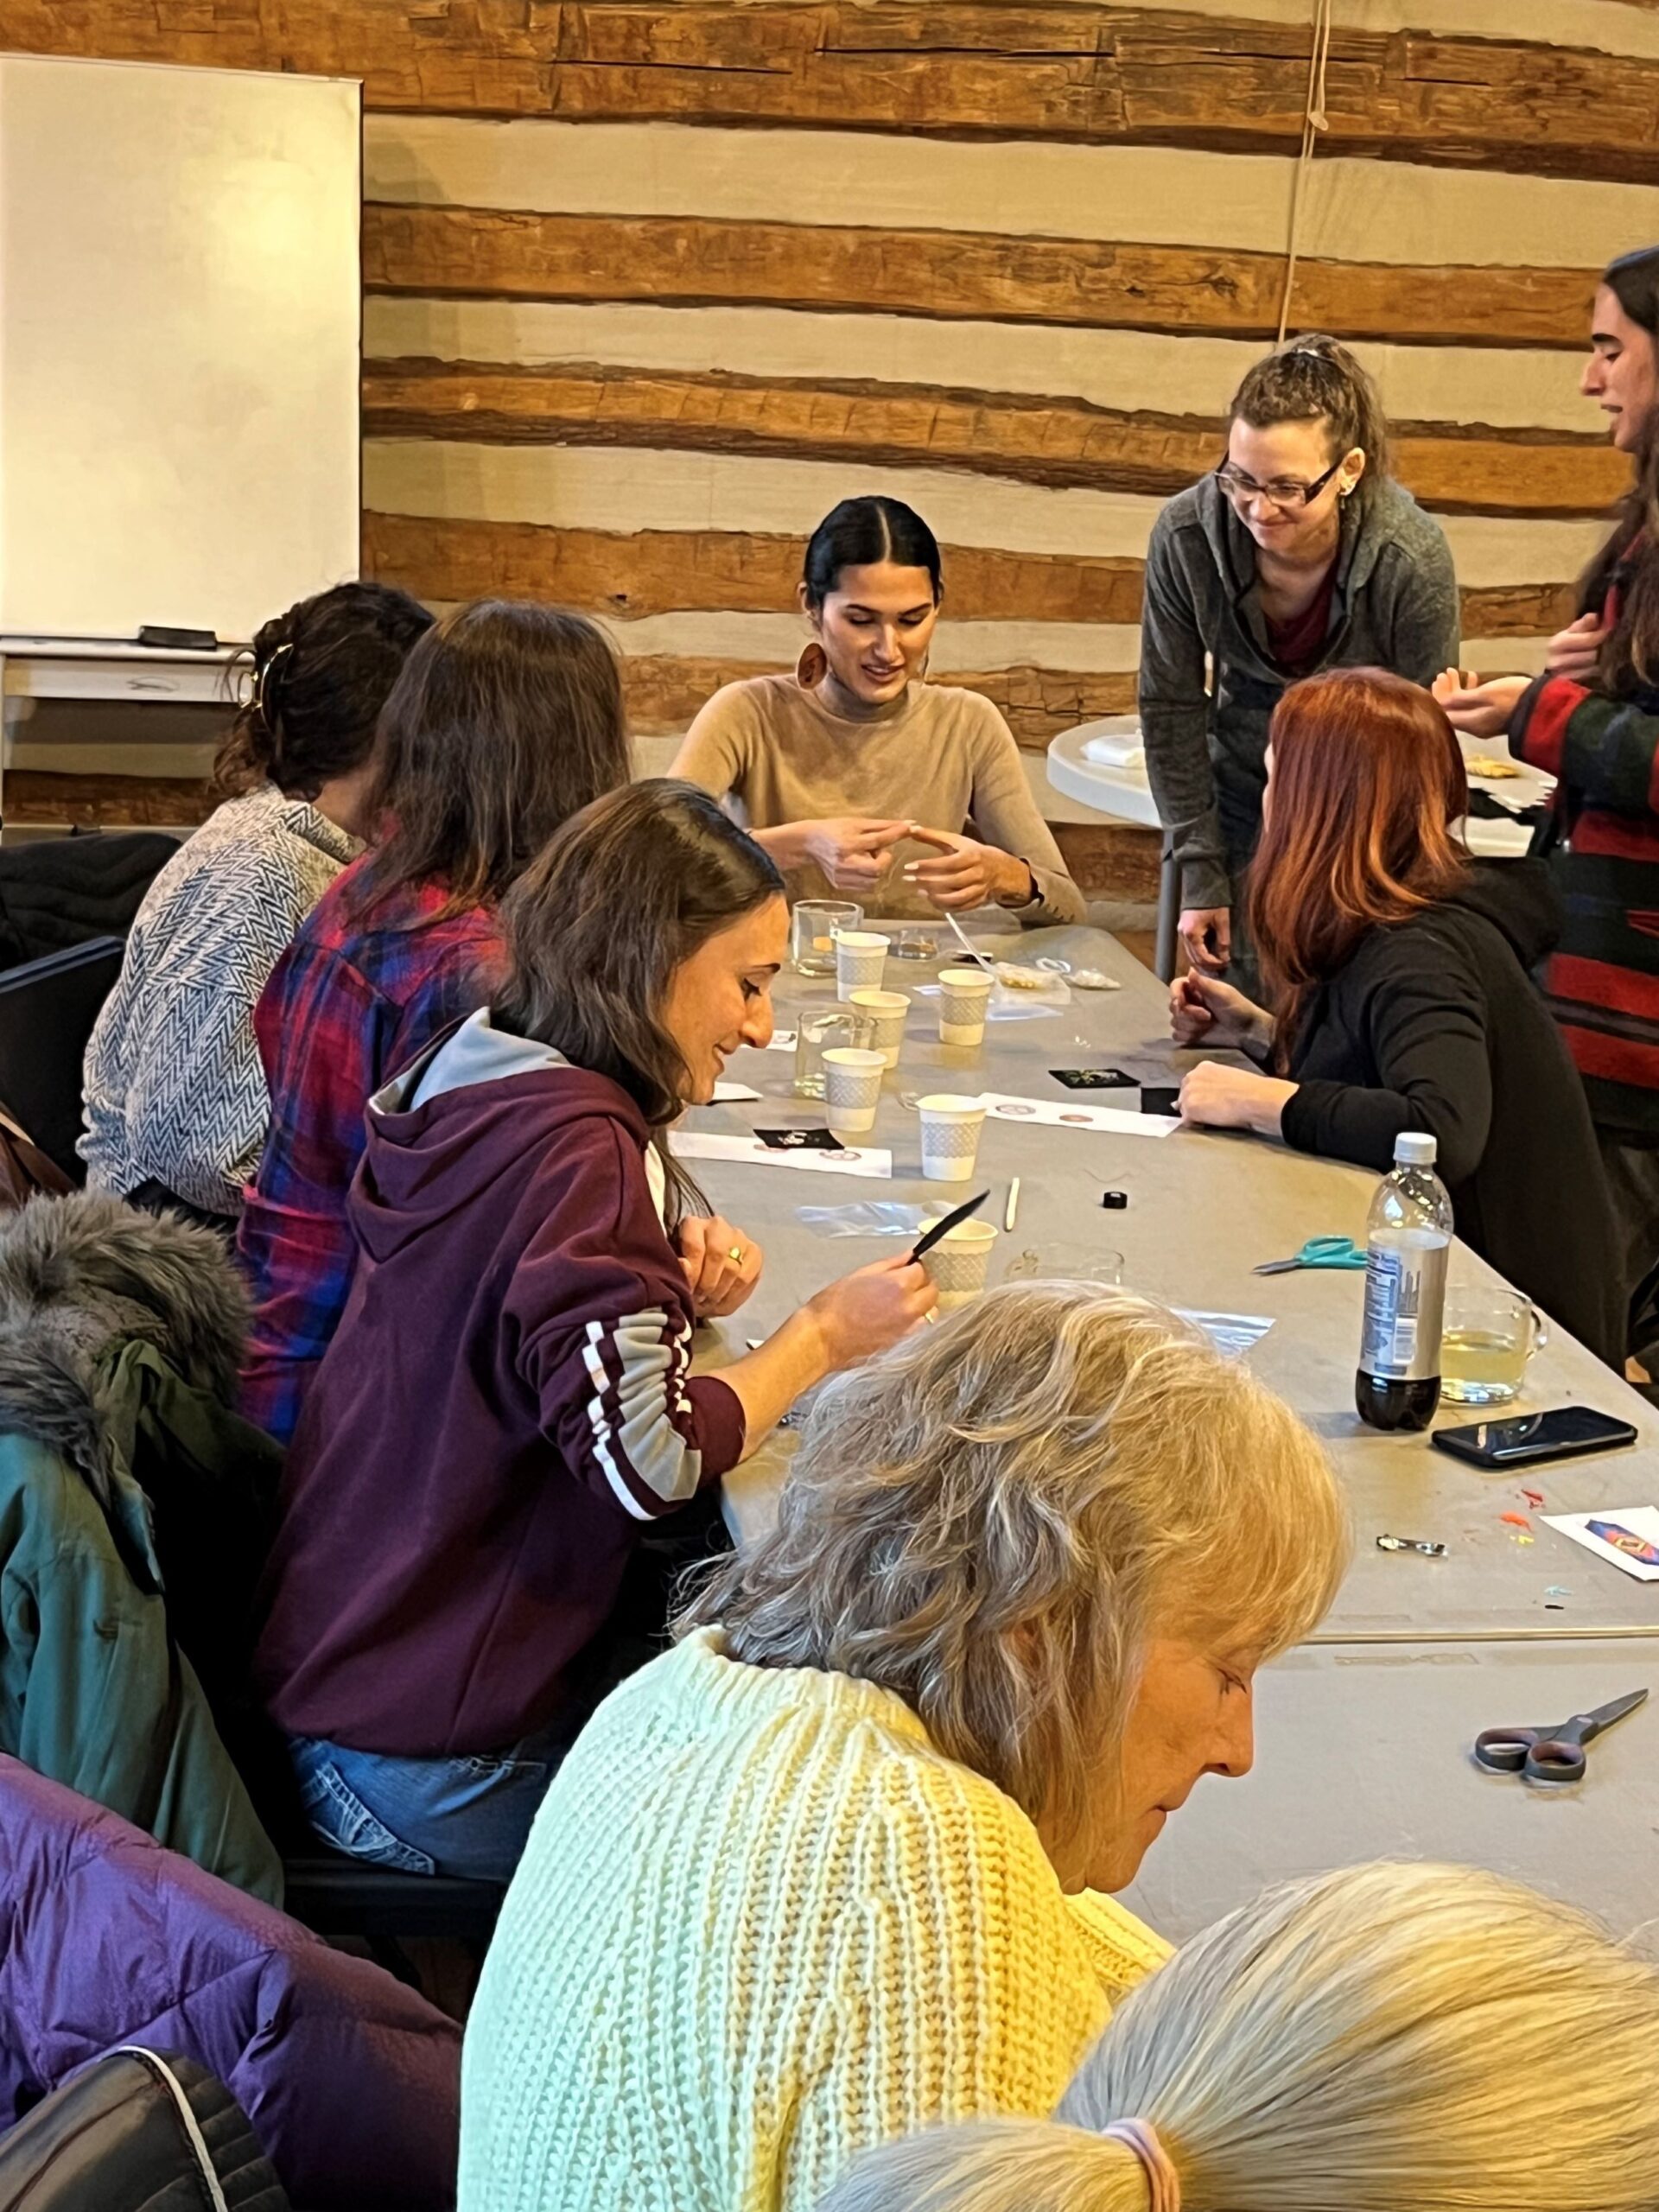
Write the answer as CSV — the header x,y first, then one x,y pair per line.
x,y
507,719
507,1404
1299,553
1593,721
855,774
1398,971
175,1098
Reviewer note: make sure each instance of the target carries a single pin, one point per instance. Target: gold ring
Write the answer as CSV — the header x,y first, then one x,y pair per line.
x,y
736,1255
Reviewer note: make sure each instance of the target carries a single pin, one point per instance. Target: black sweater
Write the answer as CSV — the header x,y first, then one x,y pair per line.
x,y
1435,1025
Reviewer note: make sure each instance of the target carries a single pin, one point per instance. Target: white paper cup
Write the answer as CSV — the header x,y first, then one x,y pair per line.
x,y
950,1127
959,1263
888,1010
860,956
852,1085
965,993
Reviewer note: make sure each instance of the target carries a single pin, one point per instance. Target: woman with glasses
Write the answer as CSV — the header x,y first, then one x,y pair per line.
x,y
1299,553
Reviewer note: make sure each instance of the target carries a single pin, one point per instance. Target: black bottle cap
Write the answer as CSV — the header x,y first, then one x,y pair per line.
x,y
1117,1200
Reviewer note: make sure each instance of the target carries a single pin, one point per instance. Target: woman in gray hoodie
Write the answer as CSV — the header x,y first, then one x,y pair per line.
x,y
1299,553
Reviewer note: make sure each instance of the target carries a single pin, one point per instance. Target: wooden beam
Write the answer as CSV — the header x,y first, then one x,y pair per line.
x,y
1063,442
664,694
627,575
960,69
97,802
664,572
1112,860
957,275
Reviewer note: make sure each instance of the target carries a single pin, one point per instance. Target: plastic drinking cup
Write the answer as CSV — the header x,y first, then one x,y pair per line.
x,y
888,1011
959,1263
852,1085
1065,1263
950,1127
812,928
822,1031
964,995
861,955
1487,1340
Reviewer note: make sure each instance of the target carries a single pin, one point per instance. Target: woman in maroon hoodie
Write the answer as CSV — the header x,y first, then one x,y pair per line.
x,y
508,1404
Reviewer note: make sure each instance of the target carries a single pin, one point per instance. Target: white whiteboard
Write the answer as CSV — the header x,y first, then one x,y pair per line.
x,y
180,344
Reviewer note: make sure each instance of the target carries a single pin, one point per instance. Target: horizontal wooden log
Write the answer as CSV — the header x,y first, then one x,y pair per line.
x,y
663,694
963,69
40,796
957,275
663,572
1065,443
626,576
1112,860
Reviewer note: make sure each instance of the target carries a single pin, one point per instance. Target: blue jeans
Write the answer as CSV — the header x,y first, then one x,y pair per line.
x,y
468,1816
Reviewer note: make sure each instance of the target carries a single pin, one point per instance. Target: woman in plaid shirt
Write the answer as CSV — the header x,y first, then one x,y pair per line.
x,y
506,718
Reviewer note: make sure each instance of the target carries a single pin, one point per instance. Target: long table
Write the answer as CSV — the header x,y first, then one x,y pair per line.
x,y
1363,1752
1204,1208
1363,1732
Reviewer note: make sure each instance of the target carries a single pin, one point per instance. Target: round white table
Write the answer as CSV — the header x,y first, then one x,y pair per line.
x,y
1123,793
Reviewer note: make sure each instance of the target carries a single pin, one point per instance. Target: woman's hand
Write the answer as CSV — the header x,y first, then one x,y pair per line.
x,y
721,1265
1575,651
1206,935
864,1313
968,874
1478,710
853,850
1205,1010
1214,1097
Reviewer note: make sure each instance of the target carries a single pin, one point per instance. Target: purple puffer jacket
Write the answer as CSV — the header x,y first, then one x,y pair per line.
x,y
351,2082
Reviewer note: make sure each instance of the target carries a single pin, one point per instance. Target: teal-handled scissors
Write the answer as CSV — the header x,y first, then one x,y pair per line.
x,y
1317,1252
1550,1754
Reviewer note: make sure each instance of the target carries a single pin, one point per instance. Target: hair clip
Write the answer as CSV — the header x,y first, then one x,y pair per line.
x,y
262,682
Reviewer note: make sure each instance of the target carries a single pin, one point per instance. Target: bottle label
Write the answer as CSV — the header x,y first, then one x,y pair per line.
x,y
1405,1299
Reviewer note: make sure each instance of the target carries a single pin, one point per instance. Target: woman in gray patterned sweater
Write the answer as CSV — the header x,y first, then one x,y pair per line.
x,y
175,1096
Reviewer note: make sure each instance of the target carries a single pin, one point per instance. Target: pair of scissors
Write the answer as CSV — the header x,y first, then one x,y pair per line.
x,y
1550,1754
1317,1252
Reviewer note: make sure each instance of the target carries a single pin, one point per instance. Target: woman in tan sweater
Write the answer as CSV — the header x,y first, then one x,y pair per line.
x,y
856,774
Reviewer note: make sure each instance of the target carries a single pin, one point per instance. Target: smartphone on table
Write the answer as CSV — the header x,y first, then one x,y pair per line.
x,y
1523,1440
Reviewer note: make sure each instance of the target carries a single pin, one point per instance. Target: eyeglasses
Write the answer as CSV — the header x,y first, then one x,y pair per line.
x,y
1283,492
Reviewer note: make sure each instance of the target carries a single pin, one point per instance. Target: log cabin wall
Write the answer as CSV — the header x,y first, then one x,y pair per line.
x,y
649,287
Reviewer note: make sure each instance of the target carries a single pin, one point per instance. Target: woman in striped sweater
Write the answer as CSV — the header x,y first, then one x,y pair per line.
x,y
1592,720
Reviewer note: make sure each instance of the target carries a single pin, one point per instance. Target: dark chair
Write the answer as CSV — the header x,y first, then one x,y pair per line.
x,y
336,1897
60,892
47,1011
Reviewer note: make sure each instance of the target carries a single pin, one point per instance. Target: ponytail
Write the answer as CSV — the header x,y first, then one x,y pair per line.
x,y
999,2166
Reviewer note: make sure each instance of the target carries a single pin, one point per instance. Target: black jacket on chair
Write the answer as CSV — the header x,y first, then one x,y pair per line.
x,y
56,891
1436,1025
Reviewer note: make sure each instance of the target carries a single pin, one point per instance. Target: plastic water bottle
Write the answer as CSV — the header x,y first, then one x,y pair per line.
x,y
1407,1239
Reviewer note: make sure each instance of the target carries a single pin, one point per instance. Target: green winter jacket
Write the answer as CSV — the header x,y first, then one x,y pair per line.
x,y
114,1341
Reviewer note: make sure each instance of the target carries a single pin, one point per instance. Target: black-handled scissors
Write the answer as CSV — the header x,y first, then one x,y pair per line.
x,y
1550,1754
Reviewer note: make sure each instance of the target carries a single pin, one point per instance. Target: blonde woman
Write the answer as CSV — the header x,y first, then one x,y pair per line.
x,y
1386,2039
831,1870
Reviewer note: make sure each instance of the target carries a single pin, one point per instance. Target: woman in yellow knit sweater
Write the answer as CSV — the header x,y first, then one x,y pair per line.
x,y
831,1869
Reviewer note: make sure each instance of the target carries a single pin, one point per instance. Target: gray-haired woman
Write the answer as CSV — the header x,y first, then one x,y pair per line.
x,y
830,1870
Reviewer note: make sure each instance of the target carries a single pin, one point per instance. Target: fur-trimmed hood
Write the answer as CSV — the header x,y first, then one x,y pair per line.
x,y
79,1278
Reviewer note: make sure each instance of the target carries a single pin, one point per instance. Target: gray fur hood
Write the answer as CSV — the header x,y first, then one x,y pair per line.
x,y
83,1276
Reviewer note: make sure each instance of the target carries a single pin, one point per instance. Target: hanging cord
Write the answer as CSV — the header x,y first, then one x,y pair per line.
x,y
1313,121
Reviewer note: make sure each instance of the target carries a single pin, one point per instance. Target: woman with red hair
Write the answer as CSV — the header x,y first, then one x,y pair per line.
x,y
1398,971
